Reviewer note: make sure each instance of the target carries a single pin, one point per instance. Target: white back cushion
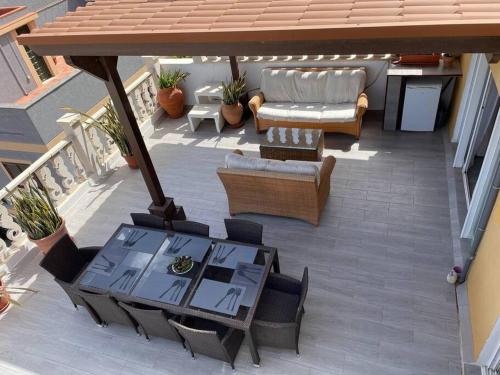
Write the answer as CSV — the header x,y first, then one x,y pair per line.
x,y
344,86
277,85
237,161
309,87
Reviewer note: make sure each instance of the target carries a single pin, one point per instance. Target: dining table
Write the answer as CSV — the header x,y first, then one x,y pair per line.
x,y
224,284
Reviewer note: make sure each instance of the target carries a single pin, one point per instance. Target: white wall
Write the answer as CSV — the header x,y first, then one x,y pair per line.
x,y
202,73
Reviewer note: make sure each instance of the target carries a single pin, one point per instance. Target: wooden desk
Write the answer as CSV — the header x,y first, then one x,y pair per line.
x,y
396,83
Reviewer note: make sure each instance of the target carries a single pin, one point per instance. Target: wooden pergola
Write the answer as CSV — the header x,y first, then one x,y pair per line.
x,y
92,38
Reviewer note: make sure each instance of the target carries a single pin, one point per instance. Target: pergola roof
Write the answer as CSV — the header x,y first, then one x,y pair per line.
x,y
237,27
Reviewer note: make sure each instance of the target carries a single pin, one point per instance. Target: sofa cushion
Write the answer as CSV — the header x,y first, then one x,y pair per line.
x,y
237,161
277,85
289,166
344,86
307,112
327,86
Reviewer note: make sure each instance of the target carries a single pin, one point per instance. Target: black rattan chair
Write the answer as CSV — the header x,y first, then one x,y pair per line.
x,y
279,314
65,262
190,227
154,322
148,220
107,310
244,231
210,338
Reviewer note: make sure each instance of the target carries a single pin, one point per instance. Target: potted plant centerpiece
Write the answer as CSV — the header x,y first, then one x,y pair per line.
x,y
232,110
5,298
35,213
110,125
170,96
182,264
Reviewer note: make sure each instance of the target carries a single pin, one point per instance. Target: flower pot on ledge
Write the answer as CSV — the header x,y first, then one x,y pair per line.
x,y
172,101
131,161
46,243
4,298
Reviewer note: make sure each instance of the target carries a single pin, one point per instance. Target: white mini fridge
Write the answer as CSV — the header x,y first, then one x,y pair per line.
x,y
421,104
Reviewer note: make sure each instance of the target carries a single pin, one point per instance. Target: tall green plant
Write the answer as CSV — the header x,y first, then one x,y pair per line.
x,y
109,124
232,91
34,212
171,78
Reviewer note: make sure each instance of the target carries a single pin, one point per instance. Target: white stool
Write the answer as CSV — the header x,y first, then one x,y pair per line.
x,y
205,111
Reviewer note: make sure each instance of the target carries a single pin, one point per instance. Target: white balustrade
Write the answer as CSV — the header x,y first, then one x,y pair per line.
x,y
83,156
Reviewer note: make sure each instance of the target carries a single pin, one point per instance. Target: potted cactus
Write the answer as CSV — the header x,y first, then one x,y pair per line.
x,y
110,125
35,213
232,110
170,96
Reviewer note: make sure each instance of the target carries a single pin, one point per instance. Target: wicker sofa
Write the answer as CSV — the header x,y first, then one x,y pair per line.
x,y
331,99
291,188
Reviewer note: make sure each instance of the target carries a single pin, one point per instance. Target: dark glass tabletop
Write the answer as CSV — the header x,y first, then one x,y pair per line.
x,y
224,284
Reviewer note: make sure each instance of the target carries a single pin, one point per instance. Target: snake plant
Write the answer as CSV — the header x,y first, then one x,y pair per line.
x,y
34,211
109,124
171,78
232,91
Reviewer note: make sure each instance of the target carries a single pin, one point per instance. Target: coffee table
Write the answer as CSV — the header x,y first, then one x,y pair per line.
x,y
292,144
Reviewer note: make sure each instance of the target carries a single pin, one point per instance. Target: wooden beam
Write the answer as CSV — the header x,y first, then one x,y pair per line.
x,y
235,72
454,45
106,69
131,128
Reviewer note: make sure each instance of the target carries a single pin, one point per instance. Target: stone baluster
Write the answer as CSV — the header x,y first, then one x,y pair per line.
x,y
153,91
148,100
142,109
14,232
45,176
62,168
81,152
134,109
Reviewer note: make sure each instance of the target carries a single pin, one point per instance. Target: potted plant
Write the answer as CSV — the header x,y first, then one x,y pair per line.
x,y
37,216
5,298
182,264
232,110
170,96
110,124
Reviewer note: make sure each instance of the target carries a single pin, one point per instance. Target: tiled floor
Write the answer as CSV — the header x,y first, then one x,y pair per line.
x,y
378,301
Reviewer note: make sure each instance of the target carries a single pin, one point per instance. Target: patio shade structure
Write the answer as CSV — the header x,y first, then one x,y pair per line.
x,y
94,36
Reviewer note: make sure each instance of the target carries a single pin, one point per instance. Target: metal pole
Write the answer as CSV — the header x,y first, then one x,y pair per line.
x,y
235,72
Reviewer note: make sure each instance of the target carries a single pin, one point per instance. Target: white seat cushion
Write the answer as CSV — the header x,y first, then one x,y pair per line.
x,y
308,112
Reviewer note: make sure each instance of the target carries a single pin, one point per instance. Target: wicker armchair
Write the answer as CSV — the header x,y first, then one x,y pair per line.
x,y
190,227
154,322
210,338
279,314
277,193
148,220
66,262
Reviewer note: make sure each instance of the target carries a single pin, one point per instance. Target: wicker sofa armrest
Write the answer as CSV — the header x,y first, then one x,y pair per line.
x,y
256,102
283,283
327,168
361,105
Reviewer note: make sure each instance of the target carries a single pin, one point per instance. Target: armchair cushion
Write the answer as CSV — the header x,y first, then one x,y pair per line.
x,y
276,306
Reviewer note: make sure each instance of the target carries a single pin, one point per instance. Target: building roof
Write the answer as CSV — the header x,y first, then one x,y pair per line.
x,y
137,27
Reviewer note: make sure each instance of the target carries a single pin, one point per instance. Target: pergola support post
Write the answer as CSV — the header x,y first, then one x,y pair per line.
x,y
105,68
235,72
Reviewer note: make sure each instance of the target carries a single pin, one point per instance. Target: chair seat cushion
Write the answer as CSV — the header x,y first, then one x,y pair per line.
x,y
307,112
276,306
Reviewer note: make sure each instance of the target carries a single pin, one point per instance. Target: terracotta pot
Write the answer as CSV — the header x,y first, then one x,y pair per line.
x,y
131,161
172,101
45,244
233,114
4,299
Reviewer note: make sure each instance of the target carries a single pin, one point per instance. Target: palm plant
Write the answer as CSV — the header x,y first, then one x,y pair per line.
x,y
171,78
7,292
34,212
233,90
109,124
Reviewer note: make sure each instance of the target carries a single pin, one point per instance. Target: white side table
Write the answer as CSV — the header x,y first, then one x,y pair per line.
x,y
206,111
210,93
